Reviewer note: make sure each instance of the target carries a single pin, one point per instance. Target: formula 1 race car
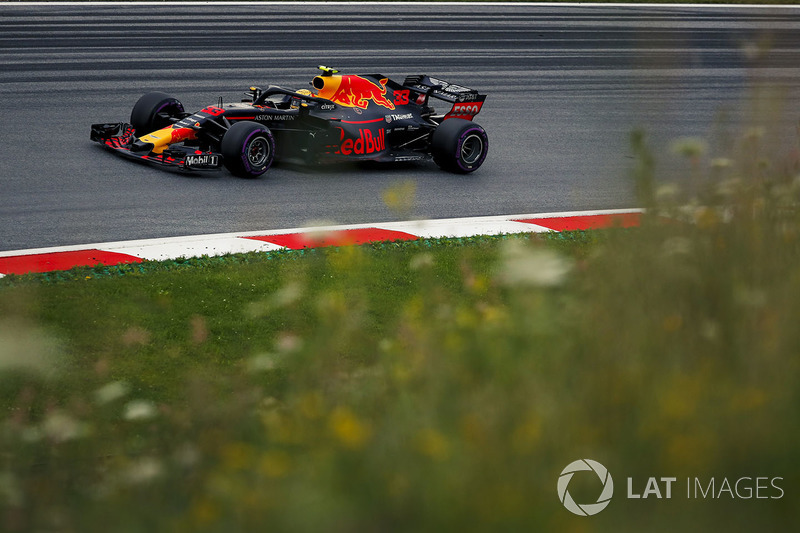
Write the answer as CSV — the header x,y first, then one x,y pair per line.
x,y
346,118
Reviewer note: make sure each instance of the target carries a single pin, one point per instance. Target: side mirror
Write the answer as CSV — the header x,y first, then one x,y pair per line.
x,y
254,93
302,108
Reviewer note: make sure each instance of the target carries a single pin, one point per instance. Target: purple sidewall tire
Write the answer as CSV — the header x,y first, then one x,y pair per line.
x,y
459,146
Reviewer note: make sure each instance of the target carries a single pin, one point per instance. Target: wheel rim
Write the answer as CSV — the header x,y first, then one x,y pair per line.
x,y
258,152
471,149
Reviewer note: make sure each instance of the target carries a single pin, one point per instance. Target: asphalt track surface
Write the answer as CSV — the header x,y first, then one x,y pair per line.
x,y
567,85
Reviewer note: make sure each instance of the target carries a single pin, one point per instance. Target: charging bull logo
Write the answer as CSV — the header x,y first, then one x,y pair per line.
x,y
352,91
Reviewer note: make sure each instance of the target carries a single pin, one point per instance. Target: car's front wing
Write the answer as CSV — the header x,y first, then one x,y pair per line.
x,y
120,136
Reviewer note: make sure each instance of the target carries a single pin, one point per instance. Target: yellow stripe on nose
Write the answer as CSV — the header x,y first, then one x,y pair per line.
x,y
162,138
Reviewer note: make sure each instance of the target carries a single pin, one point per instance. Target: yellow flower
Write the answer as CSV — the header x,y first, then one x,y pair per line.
x,y
493,314
311,405
205,512
473,430
707,218
237,456
346,258
432,443
672,323
467,318
400,197
275,464
691,451
351,432
527,434
748,399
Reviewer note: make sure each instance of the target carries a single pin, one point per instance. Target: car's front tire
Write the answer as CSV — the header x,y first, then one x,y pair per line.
x,y
459,145
248,149
154,111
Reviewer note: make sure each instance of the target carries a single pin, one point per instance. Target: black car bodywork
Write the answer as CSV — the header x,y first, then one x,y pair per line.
x,y
346,118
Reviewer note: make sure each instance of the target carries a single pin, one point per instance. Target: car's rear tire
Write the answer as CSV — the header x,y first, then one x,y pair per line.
x,y
459,145
154,111
248,149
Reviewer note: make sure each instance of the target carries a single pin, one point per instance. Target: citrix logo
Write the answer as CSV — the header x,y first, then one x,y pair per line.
x,y
585,509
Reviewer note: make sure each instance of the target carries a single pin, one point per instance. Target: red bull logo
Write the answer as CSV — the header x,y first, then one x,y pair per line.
x,y
182,134
352,91
367,142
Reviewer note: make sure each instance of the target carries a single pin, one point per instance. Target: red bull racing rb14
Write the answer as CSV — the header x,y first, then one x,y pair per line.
x,y
342,118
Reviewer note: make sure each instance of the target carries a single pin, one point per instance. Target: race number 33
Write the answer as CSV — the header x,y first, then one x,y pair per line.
x,y
401,97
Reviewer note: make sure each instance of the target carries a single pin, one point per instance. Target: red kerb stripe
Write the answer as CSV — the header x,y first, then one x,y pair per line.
x,y
23,264
311,239
584,222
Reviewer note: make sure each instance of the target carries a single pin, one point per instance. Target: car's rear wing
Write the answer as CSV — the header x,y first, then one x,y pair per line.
x,y
466,102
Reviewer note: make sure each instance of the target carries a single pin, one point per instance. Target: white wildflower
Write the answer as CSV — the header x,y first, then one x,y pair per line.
x,y
263,362
287,295
676,246
111,392
690,147
521,264
26,348
421,261
143,471
140,410
59,426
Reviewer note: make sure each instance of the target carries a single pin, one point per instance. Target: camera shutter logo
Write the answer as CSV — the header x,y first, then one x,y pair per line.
x,y
585,509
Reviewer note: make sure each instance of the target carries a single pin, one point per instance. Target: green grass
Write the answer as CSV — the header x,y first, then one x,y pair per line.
x,y
215,354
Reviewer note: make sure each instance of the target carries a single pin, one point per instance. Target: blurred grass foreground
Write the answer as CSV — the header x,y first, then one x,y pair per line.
x,y
425,386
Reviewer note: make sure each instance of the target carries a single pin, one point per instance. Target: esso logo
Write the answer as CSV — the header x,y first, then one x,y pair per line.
x,y
465,110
